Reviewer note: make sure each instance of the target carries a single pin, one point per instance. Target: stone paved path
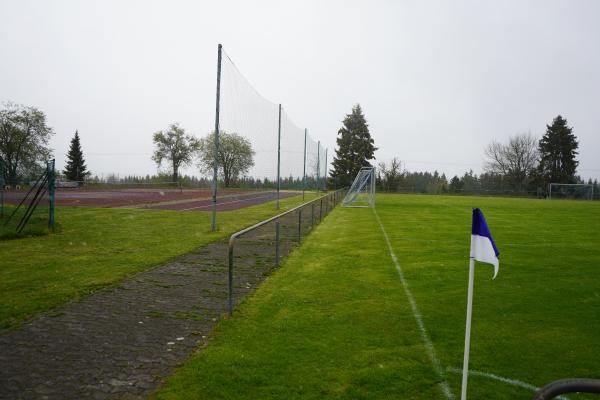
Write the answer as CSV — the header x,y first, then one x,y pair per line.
x,y
123,341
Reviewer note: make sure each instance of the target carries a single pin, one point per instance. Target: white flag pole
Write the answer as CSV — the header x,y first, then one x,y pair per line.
x,y
465,376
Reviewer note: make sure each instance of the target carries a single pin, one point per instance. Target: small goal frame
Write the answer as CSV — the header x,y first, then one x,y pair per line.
x,y
591,186
362,192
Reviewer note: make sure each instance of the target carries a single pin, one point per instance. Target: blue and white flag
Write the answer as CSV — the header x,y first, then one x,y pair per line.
x,y
483,248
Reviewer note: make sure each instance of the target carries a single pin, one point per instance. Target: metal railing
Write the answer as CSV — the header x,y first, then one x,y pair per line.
x,y
325,203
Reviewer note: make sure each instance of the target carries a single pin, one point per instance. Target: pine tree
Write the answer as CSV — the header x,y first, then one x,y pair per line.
x,y
558,148
355,147
75,170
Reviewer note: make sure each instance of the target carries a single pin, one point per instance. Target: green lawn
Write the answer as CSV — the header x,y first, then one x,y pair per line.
x,y
94,248
335,321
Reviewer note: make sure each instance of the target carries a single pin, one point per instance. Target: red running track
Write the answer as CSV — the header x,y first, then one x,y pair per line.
x,y
134,197
228,203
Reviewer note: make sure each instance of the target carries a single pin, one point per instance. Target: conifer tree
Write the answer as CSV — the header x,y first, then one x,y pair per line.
x,y
75,170
355,147
558,148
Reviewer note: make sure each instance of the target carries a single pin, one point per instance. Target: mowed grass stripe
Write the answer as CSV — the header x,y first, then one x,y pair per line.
x,y
333,322
94,248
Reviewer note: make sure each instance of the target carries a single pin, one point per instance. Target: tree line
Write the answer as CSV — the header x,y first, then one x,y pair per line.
x,y
523,165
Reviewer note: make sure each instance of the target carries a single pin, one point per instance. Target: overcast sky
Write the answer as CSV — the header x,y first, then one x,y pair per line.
x,y
437,80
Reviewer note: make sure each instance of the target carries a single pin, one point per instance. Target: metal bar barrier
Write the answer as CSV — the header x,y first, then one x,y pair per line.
x,y
334,196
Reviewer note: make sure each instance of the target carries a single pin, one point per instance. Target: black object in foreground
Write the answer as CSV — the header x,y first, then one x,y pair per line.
x,y
571,385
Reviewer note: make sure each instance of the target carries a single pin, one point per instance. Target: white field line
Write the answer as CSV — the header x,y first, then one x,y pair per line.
x,y
227,202
437,366
512,382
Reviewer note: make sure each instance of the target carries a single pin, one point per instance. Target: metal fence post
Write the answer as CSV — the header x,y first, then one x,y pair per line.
x,y
51,193
321,211
2,184
312,215
230,278
277,243
299,226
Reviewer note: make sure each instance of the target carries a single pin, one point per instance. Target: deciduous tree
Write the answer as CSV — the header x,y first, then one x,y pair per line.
x,y
24,138
174,146
235,156
515,161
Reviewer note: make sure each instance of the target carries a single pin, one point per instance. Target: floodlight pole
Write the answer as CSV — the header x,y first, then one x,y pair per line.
x,y
279,156
304,178
318,163
216,154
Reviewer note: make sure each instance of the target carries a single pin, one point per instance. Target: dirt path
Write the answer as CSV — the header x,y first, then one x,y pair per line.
x,y
123,341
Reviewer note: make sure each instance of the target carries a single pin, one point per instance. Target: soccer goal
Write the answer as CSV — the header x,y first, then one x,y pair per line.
x,y
581,191
362,191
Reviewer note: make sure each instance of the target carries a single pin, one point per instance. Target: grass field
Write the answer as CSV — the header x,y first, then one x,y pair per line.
x,y
335,321
94,248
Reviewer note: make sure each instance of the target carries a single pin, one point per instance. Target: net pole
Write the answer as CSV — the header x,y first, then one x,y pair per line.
x,y
51,193
279,156
304,178
215,166
318,164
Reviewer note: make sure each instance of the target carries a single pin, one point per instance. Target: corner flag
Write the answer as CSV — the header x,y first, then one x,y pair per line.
x,y
483,249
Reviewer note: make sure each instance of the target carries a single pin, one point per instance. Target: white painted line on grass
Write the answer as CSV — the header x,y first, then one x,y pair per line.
x,y
512,382
437,366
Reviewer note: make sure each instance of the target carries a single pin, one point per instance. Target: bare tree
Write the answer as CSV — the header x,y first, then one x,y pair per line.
x,y
390,174
176,147
516,160
234,159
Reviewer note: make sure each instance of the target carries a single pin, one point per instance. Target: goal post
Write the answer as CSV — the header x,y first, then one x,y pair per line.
x,y
362,191
584,191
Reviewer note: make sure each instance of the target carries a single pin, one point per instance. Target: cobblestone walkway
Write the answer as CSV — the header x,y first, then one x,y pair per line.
x,y
123,341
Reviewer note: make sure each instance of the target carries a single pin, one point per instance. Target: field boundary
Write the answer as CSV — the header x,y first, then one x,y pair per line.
x,y
437,366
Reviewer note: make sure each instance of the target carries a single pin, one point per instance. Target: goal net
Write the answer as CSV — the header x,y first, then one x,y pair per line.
x,y
362,191
580,191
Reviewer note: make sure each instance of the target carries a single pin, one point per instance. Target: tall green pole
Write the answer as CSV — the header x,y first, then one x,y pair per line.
x,y
318,164
304,178
216,155
51,192
279,157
